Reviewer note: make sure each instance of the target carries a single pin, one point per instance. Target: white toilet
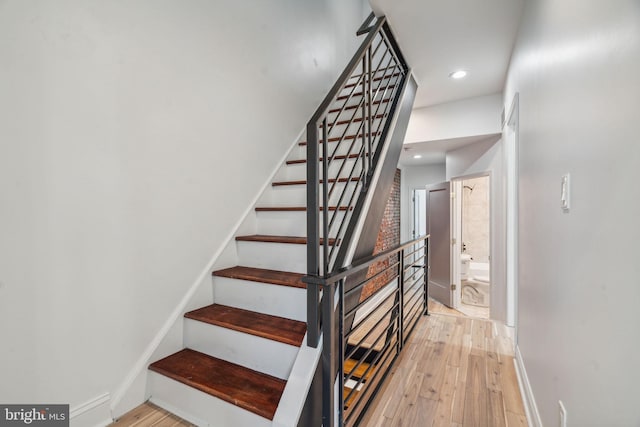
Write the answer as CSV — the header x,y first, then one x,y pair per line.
x,y
464,271
475,281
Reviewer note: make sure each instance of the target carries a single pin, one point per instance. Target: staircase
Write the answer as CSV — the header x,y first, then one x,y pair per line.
x,y
240,351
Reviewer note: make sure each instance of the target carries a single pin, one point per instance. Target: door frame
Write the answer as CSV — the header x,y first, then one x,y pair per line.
x,y
456,221
413,211
510,135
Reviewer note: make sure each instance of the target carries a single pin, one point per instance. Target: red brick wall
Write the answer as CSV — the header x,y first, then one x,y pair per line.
x,y
388,237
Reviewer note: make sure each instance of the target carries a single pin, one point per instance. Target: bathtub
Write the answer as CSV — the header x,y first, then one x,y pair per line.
x,y
475,289
479,271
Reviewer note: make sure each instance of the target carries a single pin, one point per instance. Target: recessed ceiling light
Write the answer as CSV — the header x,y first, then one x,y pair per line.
x,y
417,156
458,74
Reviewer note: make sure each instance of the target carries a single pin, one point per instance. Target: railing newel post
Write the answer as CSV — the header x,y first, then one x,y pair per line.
x,y
401,300
325,198
313,231
341,351
328,354
426,276
369,126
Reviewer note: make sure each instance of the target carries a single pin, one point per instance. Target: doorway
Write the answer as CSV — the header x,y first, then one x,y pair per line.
x,y
458,218
419,213
472,229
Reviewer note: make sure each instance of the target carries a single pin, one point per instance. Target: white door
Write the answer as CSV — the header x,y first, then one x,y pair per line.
x,y
439,227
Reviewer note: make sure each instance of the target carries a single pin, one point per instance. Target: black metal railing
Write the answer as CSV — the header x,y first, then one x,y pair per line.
x,y
344,145
393,297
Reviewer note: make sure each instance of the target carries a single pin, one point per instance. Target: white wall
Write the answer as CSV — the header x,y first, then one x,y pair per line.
x,y
458,119
413,177
132,137
480,158
576,66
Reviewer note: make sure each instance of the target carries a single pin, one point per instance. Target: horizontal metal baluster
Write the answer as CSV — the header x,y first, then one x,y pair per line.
x,y
387,42
346,129
345,103
343,136
381,353
372,347
339,172
373,328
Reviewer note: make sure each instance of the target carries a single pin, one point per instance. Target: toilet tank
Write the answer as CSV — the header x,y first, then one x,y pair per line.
x,y
465,260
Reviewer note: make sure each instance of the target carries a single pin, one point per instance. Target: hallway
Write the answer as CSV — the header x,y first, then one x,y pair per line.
x,y
454,371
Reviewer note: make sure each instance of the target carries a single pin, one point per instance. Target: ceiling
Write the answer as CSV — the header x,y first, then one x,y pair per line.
x,y
433,152
438,37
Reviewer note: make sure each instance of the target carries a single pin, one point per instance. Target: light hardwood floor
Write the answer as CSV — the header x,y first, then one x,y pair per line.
x,y
454,371
147,415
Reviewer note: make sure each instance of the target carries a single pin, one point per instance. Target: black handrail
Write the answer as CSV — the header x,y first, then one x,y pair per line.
x,y
372,345
344,147
365,27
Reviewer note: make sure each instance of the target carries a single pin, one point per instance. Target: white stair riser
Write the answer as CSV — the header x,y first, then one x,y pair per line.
x,y
298,171
197,407
257,353
276,300
296,195
284,195
273,256
287,223
300,151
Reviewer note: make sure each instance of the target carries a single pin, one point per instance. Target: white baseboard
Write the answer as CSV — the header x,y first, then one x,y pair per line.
x,y
530,407
93,413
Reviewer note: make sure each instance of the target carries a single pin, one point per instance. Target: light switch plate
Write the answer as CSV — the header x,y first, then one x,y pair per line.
x,y
565,200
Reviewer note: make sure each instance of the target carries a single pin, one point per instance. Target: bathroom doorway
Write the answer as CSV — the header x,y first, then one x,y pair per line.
x,y
472,230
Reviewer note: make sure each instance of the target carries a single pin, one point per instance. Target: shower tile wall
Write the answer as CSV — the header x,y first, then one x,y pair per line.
x,y
475,218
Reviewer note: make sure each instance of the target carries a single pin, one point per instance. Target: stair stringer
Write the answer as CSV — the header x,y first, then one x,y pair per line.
x,y
367,225
133,390
200,408
293,403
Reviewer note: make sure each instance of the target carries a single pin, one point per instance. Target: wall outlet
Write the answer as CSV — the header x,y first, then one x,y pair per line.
x,y
563,414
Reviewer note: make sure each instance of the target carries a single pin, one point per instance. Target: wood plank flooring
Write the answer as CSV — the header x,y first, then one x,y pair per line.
x,y
150,415
454,371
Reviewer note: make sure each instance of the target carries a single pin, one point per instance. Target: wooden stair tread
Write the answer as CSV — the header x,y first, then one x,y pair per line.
x,y
251,390
355,119
349,399
296,208
349,364
304,181
296,240
262,275
353,107
374,79
358,119
342,97
341,157
262,325
338,138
